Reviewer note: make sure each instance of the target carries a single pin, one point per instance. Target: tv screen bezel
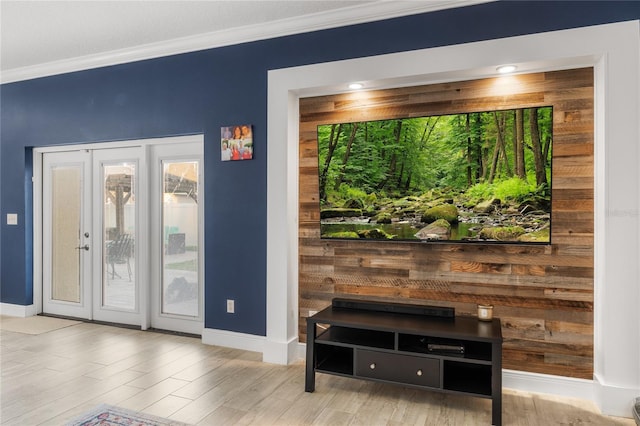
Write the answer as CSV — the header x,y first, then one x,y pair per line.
x,y
451,241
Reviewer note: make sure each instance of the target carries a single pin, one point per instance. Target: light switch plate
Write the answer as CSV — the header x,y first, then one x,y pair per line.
x,y
12,218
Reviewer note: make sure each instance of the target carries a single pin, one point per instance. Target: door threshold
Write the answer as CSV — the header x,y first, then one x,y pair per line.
x,y
175,333
127,326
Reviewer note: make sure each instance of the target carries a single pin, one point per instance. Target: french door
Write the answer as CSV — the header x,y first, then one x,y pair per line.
x,y
121,238
119,204
67,234
91,210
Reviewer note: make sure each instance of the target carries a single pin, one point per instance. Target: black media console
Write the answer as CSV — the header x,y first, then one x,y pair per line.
x,y
421,346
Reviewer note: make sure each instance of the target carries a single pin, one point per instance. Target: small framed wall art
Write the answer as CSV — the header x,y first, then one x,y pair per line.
x,y
236,142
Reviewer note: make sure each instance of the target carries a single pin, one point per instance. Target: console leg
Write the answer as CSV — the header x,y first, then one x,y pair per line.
x,y
496,411
310,378
496,384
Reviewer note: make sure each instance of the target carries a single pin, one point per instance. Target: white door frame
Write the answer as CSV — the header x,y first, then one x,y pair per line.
x,y
38,214
82,308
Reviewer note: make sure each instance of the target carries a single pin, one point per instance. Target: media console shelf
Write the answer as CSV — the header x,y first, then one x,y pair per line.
x,y
424,347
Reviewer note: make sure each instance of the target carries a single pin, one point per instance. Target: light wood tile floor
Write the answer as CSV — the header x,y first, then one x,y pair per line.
x,y
50,378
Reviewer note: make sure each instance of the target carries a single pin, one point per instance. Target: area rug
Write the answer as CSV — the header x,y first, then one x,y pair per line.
x,y
34,325
108,415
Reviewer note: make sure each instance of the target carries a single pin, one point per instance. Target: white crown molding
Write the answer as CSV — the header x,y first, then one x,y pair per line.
x,y
320,21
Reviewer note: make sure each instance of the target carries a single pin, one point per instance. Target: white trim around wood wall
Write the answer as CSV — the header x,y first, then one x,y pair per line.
x,y
614,52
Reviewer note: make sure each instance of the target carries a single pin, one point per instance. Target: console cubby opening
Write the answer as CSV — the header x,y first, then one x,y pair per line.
x,y
358,337
466,377
334,359
420,344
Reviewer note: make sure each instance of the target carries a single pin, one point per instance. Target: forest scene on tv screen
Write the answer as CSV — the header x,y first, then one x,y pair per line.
x,y
469,177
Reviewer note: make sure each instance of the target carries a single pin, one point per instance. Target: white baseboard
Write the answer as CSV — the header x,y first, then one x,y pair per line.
x,y
615,400
611,400
272,352
21,311
282,353
545,383
230,339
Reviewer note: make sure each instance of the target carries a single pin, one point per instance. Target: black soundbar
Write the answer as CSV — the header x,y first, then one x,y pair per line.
x,y
396,308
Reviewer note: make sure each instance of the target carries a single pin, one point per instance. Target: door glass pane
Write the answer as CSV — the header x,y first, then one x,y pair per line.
x,y
119,222
65,233
180,286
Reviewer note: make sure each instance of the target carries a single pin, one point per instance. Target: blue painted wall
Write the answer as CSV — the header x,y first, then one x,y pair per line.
x,y
202,91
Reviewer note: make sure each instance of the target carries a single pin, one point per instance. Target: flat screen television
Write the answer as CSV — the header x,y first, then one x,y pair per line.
x,y
464,178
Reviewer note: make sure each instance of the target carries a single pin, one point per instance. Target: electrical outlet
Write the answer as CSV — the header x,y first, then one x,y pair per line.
x,y
231,306
12,218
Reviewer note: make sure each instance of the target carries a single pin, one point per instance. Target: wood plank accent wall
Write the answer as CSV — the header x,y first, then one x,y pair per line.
x,y
543,294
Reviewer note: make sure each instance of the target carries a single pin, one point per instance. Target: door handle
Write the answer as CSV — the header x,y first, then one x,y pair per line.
x,y
84,247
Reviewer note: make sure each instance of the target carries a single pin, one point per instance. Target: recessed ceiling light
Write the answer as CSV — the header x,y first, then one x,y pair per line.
x,y
356,86
505,69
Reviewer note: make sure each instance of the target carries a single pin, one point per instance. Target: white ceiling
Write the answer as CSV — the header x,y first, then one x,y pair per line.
x,y
38,33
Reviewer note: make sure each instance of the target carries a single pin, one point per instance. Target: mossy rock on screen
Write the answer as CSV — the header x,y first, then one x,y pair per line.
x,y
353,203
342,234
541,236
438,230
375,234
339,212
383,217
487,206
448,212
502,233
